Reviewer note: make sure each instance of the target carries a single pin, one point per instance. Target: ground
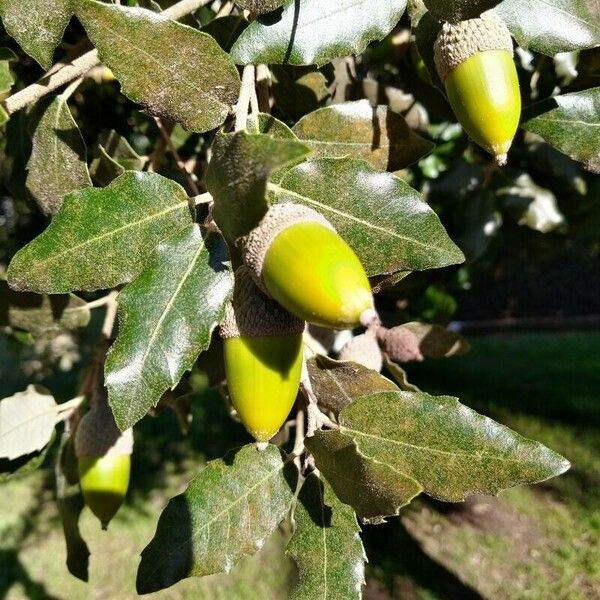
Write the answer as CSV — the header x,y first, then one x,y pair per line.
x,y
532,542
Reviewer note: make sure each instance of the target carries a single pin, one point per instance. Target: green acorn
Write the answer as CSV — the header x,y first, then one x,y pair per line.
x,y
262,347
296,257
474,59
104,461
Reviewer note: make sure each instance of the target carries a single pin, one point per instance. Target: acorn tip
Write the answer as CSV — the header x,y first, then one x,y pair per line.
x,y
501,159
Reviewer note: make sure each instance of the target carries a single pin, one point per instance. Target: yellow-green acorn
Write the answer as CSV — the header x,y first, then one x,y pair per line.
x,y
262,347
296,257
474,59
104,462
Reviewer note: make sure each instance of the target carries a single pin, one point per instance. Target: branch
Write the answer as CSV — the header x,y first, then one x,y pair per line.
x,y
111,314
241,108
81,65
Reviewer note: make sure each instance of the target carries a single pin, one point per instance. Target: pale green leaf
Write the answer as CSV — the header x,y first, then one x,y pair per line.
x,y
101,237
314,32
166,318
570,123
374,489
238,173
57,165
552,26
27,421
173,70
359,130
227,512
385,221
36,25
451,450
326,546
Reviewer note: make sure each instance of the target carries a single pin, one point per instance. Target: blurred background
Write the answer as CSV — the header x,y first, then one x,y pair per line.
x,y
527,300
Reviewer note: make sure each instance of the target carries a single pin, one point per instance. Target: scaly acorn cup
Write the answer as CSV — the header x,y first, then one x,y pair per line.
x,y
262,347
296,257
474,59
104,462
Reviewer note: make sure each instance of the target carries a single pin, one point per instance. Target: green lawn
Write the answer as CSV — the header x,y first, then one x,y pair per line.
x,y
539,542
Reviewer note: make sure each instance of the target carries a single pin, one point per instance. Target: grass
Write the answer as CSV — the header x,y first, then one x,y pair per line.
x,y
532,542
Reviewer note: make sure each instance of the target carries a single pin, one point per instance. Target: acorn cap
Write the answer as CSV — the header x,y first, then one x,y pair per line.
x,y
98,434
457,42
252,314
278,217
364,349
400,344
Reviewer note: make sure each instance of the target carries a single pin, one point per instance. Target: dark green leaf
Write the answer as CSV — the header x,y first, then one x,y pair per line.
x,y
101,237
226,30
70,504
358,130
400,376
7,79
166,318
260,6
458,10
570,123
552,26
57,165
426,31
337,383
314,32
268,124
36,25
39,314
22,466
227,511
386,222
16,154
451,450
173,70
238,173
374,489
326,546
298,90
115,156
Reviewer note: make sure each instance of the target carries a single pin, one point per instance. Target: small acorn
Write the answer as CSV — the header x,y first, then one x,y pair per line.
x,y
474,59
296,257
104,461
262,347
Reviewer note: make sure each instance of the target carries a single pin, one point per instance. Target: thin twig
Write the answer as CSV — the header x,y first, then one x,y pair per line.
x,y
66,409
190,177
241,108
56,78
225,10
205,198
299,438
111,314
99,302
263,84
315,418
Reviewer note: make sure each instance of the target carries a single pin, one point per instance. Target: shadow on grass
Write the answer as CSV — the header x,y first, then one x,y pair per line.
x,y
397,560
13,571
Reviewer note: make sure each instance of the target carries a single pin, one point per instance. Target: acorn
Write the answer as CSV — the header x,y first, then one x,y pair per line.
x,y
104,461
262,347
296,257
474,59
